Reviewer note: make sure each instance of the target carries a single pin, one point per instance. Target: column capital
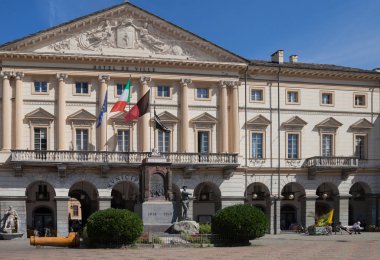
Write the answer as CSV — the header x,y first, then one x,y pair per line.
x,y
145,80
104,78
185,81
19,75
6,74
61,76
229,83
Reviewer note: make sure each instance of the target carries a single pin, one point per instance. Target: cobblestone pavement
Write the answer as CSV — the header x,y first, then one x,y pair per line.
x,y
285,246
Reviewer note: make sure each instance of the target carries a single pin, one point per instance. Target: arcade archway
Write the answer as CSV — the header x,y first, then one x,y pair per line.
x,y
258,195
125,195
293,206
360,204
328,199
207,201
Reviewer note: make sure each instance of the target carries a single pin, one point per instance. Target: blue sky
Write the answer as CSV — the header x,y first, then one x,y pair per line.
x,y
341,32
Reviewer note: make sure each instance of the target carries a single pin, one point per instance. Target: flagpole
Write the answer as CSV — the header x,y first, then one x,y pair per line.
x,y
154,128
129,109
150,113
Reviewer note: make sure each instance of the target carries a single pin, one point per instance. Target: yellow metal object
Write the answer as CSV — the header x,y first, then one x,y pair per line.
x,y
71,241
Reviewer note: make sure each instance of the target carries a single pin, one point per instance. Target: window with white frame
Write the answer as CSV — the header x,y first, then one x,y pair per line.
x,y
40,87
203,141
257,95
40,139
81,88
327,98
327,145
292,97
293,146
81,139
163,91
123,140
360,100
203,93
257,145
361,146
163,141
119,89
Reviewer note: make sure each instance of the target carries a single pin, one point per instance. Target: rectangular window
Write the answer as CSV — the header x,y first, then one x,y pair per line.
x,y
163,91
327,145
327,98
293,97
81,88
257,95
40,139
163,142
75,210
203,142
361,147
293,146
40,87
119,89
360,100
123,140
203,93
82,139
257,145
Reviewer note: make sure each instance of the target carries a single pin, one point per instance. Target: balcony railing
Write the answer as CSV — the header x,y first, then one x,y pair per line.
x,y
338,162
95,157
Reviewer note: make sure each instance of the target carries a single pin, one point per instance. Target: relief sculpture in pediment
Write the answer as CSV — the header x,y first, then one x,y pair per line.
x,y
114,34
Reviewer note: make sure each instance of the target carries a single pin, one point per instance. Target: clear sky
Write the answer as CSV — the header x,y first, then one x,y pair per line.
x,y
341,32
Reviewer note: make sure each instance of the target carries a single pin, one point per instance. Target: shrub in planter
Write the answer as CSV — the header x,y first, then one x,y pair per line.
x,y
113,227
204,229
239,223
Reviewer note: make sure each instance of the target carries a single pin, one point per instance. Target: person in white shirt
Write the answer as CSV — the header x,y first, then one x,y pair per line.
x,y
356,227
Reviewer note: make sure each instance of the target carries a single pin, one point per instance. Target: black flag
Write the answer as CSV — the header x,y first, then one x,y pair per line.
x,y
159,124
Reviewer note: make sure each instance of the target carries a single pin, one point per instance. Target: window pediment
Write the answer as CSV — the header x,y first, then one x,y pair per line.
x,y
294,122
362,124
40,116
258,122
82,116
204,119
119,119
329,123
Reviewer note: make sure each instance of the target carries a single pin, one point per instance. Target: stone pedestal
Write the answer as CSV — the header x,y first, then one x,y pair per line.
x,y
158,216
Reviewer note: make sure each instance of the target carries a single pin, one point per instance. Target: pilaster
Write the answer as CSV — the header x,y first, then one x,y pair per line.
x,y
143,123
343,209
184,114
223,119
105,202
7,111
103,80
235,117
61,140
18,110
310,210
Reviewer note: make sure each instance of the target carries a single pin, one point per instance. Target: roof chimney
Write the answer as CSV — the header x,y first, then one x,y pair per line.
x,y
278,57
293,58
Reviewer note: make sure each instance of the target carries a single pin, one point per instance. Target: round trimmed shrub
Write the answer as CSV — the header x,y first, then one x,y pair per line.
x,y
239,223
113,227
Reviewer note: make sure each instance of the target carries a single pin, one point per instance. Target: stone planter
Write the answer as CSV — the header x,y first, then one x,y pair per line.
x,y
326,230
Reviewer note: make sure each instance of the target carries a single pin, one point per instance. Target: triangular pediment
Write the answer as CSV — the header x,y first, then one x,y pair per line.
x,y
39,114
295,121
204,118
119,118
329,123
362,124
123,30
168,117
258,121
81,115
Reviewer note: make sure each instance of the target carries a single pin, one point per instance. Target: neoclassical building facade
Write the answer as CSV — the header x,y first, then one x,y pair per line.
x,y
294,139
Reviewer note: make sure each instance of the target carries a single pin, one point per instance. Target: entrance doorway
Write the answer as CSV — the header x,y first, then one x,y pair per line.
x,y
288,217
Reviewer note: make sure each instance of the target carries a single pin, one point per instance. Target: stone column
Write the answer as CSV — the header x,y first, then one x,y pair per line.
x,y
235,118
190,211
103,79
223,117
143,123
104,202
62,216
7,111
343,209
310,210
61,118
18,111
184,114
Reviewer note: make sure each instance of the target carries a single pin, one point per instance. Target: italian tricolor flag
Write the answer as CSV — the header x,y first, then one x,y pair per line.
x,y
124,99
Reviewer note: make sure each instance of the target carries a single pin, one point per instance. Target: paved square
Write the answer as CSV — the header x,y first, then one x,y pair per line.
x,y
284,246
